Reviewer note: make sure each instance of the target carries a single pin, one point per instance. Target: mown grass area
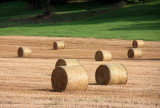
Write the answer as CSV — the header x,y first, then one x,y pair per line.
x,y
141,21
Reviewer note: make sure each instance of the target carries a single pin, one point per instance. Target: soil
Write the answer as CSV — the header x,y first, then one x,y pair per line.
x,y
26,82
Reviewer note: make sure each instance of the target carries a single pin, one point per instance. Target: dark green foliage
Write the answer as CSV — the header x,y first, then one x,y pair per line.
x,y
57,2
6,0
110,1
139,1
35,3
128,1
42,3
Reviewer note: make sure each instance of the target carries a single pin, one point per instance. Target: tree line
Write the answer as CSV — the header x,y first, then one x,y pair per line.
x,y
45,4
38,3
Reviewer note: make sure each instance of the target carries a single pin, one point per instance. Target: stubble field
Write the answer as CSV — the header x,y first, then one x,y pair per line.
x,y
26,82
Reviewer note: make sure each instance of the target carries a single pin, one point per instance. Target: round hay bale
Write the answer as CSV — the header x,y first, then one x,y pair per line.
x,y
134,53
69,78
109,74
58,45
137,43
67,62
24,52
103,55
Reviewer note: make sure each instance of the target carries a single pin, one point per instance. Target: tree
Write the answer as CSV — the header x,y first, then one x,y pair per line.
x,y
34,3
57,2
109,1
44,4
46,8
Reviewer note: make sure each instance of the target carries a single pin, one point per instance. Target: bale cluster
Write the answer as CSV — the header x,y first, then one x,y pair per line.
x,y
136,52
69,75
24,52
103,55
108,74
58,45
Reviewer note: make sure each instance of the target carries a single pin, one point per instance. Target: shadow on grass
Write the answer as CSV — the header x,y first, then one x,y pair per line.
x,y
138,13
80,6
144,26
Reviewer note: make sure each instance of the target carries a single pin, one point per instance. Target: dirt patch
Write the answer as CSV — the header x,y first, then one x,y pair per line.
x,y
27,81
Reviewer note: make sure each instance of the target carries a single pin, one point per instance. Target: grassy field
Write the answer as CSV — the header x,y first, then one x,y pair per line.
x,y
141,21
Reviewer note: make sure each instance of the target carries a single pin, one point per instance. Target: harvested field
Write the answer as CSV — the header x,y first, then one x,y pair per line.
x,y
26,82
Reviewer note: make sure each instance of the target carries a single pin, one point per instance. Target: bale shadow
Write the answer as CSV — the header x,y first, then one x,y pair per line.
x,y
92,84
48,90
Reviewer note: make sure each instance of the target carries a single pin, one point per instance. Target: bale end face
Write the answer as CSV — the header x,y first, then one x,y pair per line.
x,y
102,78
55,46
130,53
99,56
20,52
59,80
